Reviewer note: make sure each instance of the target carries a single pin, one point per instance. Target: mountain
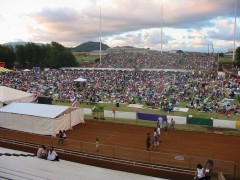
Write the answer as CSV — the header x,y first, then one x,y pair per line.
x,y
90,46
14,44
23,43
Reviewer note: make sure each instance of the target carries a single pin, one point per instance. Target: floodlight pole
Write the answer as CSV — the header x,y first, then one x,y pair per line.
x,y
161,26
234,31
100,35
217,63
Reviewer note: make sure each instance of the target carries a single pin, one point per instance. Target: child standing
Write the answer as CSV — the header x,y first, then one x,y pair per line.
x,y
97,145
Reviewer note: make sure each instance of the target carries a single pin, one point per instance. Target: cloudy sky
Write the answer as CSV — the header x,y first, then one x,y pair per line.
x,y
190,25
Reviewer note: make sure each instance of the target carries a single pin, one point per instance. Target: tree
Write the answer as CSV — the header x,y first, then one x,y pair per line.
x,y
52,55
59,56
7,55
237,58
21,56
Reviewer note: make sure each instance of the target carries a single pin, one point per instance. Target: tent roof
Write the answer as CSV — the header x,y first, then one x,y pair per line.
x,y
9,95
80,79
33,109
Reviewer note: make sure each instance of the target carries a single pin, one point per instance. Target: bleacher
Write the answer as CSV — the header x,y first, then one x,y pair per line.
x,y
21,166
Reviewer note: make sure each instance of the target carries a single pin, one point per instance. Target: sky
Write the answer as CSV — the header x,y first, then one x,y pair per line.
x,y
189,25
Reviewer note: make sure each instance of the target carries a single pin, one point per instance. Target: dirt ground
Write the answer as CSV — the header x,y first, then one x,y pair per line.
x,y
128,141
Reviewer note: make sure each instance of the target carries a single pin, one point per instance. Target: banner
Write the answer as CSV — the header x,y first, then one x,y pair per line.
x,y
200,121
150,117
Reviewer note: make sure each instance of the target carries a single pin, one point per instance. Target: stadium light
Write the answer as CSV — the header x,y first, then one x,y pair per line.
x,y
161,25
234,31
100,34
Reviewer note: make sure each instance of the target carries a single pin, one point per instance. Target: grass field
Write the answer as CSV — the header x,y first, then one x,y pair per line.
x,y
225,59
193,112
88,58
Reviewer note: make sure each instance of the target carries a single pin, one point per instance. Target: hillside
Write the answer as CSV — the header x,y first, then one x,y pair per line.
x,y
90,46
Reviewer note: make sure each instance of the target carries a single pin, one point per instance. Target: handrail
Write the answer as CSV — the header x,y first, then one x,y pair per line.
x,y
92,156
221,176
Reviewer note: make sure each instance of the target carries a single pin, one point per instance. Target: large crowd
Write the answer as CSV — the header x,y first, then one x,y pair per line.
x,y
157,60
154,88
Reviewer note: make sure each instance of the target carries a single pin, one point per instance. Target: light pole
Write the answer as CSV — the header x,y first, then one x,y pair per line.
x,y
161,26
234,31
100,35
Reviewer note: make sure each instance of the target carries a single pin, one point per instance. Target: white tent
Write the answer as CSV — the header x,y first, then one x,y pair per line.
x,y
9,95
40,118
80,79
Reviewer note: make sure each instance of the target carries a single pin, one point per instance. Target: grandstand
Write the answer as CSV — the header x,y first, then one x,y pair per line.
x,y
21,165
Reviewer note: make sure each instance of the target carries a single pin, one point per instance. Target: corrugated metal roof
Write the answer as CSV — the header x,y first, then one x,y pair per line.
x,y
33,109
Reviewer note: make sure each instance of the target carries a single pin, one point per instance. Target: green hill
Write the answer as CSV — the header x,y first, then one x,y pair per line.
x,y
90,46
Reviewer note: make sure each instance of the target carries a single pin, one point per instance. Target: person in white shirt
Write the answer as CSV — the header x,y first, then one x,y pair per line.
x,y
200,172
160,121
52,155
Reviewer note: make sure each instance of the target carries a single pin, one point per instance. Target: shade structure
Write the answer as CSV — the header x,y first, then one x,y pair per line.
x,y
40,118
80,80
2,69
9,95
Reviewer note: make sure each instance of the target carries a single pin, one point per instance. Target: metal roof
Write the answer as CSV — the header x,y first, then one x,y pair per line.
x,y
34,109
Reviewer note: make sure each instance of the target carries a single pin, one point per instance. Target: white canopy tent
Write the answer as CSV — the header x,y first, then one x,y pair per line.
x,y
9,95
80,80
40,118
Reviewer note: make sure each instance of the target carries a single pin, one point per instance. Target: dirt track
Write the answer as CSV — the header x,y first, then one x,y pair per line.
x,y
182,143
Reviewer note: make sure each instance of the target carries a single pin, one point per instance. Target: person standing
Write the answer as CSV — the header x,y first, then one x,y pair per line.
x,y
208,168
148,141
160,121
64,136
60,137
200,173
172,123
165,126
158,133
97,145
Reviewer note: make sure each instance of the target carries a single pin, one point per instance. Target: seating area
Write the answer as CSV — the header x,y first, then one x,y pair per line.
x,y
27,167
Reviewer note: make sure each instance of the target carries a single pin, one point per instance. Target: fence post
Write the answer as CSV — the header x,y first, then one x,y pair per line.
x,y
52,140
149,157
189,162
80,146
113,149
235,169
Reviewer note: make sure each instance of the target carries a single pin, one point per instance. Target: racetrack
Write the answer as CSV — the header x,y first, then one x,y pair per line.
x,y
178,148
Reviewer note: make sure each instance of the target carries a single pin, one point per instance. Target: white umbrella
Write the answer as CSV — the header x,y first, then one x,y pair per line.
x,y
80,79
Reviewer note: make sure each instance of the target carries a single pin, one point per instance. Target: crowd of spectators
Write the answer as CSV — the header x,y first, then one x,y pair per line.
x,y
157,60
161,88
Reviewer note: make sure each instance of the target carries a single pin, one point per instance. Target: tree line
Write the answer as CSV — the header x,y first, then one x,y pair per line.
x,y
52,55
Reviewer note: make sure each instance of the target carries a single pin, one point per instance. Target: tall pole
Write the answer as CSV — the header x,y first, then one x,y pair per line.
x,y
217,63
100,35
234,31
161,26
